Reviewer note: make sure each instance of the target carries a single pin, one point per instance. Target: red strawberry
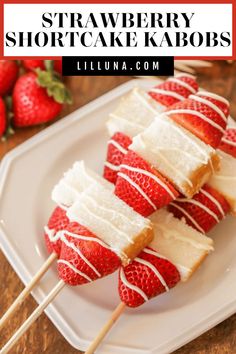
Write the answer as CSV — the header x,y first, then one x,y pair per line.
x,y
2,117
33,64
228,142
210,120
8,74
117,148
38,98
82,260
203,211
58,221
150,274
142,187
174,89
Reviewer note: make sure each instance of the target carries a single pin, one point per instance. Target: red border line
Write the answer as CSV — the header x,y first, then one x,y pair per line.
x,y
119,2
1,31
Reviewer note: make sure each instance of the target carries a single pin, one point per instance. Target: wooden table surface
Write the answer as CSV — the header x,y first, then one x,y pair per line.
x,y
43,337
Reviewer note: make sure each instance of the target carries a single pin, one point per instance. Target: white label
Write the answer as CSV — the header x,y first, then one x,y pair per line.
x,y
185,30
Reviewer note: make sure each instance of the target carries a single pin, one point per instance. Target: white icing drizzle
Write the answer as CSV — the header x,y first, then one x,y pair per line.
x,y
131,286
182,269
186,137
145,196
167,93
198,114
63,207
85,238
198,227
111,166
52,235
118,146
186,75
145,102
227,141
109,223
126,121
214,200
182,83
172,167
214,96
155,271
62,261
78,251
200,205
153,253
209,104
151,175
169,233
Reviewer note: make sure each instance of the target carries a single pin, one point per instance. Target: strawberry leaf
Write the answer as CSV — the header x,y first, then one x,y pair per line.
x,y
54,86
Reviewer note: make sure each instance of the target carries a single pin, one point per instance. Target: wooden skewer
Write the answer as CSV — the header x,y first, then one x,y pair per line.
x,y
33,317
195,63
105,329
184,68
27,289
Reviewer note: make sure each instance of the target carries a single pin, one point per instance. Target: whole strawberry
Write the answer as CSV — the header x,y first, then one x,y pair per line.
x,y
31,65
8,74
38,97
2,117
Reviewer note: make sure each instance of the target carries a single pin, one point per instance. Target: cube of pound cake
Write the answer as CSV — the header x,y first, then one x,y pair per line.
x,y
74,182
113,221
224,180
135,112
185,247
176,153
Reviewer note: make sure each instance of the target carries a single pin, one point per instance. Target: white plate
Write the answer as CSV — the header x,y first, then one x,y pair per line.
x,y
162,325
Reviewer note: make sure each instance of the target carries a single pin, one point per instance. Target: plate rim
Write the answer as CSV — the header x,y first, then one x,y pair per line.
x,y
73,338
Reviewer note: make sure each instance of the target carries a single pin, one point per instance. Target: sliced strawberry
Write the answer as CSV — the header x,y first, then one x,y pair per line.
x,y
57,222
174,89
210,120
228,142
142,187
203,211
116,150
84,257
146,277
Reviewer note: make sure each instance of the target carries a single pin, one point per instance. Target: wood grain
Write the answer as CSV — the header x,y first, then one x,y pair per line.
x,y
43,337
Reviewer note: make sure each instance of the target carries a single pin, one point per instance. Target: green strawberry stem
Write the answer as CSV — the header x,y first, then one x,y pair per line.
x,y
52,82
49,65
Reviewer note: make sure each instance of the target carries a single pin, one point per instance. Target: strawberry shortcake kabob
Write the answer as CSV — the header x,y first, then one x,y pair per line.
x,y
180,146
182,230
99,233
218,197
95,232
137,111
175,154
